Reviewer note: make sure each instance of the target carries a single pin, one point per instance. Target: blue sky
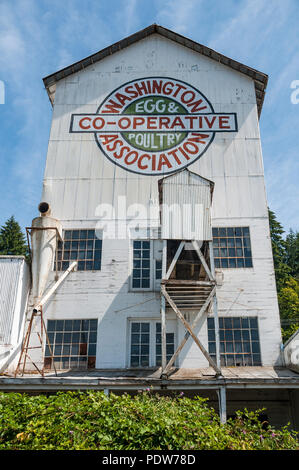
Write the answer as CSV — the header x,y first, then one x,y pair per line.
x,y
39,37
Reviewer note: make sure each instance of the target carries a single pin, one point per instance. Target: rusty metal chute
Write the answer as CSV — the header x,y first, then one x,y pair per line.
x,y
44,233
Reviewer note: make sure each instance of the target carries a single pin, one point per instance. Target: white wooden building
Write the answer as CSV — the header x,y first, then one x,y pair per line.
x,y
154,171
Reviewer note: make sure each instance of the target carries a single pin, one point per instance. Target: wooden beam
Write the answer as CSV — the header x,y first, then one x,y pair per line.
x,y
187,284
175,258
163,309
222,404
215,310
202,259
51,291
187,335
188,328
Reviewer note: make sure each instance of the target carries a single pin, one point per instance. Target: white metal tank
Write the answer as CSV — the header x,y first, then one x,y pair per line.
x,y
43,245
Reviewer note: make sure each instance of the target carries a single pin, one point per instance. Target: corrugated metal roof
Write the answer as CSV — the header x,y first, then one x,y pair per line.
x,y
10,267
260,79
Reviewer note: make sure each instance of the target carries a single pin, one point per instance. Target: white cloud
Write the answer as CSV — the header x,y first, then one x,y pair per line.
x,y
251,30
129,16
179,15
38,38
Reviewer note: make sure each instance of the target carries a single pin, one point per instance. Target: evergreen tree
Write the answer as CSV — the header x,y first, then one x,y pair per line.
x,y
292,253
282,270
285,256
12,240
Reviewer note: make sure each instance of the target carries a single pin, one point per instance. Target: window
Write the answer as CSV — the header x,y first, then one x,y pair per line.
x,y
145,348
232,247
147,265
239,341
141,276
73,344
82,246
140,344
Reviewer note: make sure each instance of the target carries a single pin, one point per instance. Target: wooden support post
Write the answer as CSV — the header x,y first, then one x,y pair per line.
x,y
222,404
215,309
163,307
203,261
51,291
188,328
175,258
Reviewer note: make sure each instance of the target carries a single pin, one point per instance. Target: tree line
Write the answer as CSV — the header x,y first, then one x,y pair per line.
x,y
286,265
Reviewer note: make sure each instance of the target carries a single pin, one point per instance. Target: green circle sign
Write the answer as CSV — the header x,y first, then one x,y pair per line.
x,y
154,141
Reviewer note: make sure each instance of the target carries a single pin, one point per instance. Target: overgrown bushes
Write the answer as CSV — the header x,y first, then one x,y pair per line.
x,y
91,420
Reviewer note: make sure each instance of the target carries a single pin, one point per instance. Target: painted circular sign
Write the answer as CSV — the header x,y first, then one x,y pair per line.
x,y
154,125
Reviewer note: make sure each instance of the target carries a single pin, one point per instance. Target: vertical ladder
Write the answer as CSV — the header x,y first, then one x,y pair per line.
x,y
26,348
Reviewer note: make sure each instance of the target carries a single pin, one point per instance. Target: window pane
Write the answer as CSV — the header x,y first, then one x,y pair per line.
x,y
144,361
144,338
75,250
145,327
135,349
139,355
136,327
135,338
75,234
235,249
71,341
239,340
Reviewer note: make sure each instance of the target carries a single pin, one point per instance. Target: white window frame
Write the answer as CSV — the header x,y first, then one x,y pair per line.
x,y
140,289
152,342
72,229
154,283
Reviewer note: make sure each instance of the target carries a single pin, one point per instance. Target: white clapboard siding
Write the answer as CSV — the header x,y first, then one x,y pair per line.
x,y
79,180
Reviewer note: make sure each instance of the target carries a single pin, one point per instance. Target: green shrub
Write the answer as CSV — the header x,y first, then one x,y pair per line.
x,y
147,421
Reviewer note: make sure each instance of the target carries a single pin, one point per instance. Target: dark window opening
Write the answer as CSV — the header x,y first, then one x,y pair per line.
x,y
239,341
146,344
82,246
140,344
141,275
73,344
232,247
188,265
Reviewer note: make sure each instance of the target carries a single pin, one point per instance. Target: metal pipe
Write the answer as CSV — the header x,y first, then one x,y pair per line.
x,y
215,310
163,308
222,404
51,291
